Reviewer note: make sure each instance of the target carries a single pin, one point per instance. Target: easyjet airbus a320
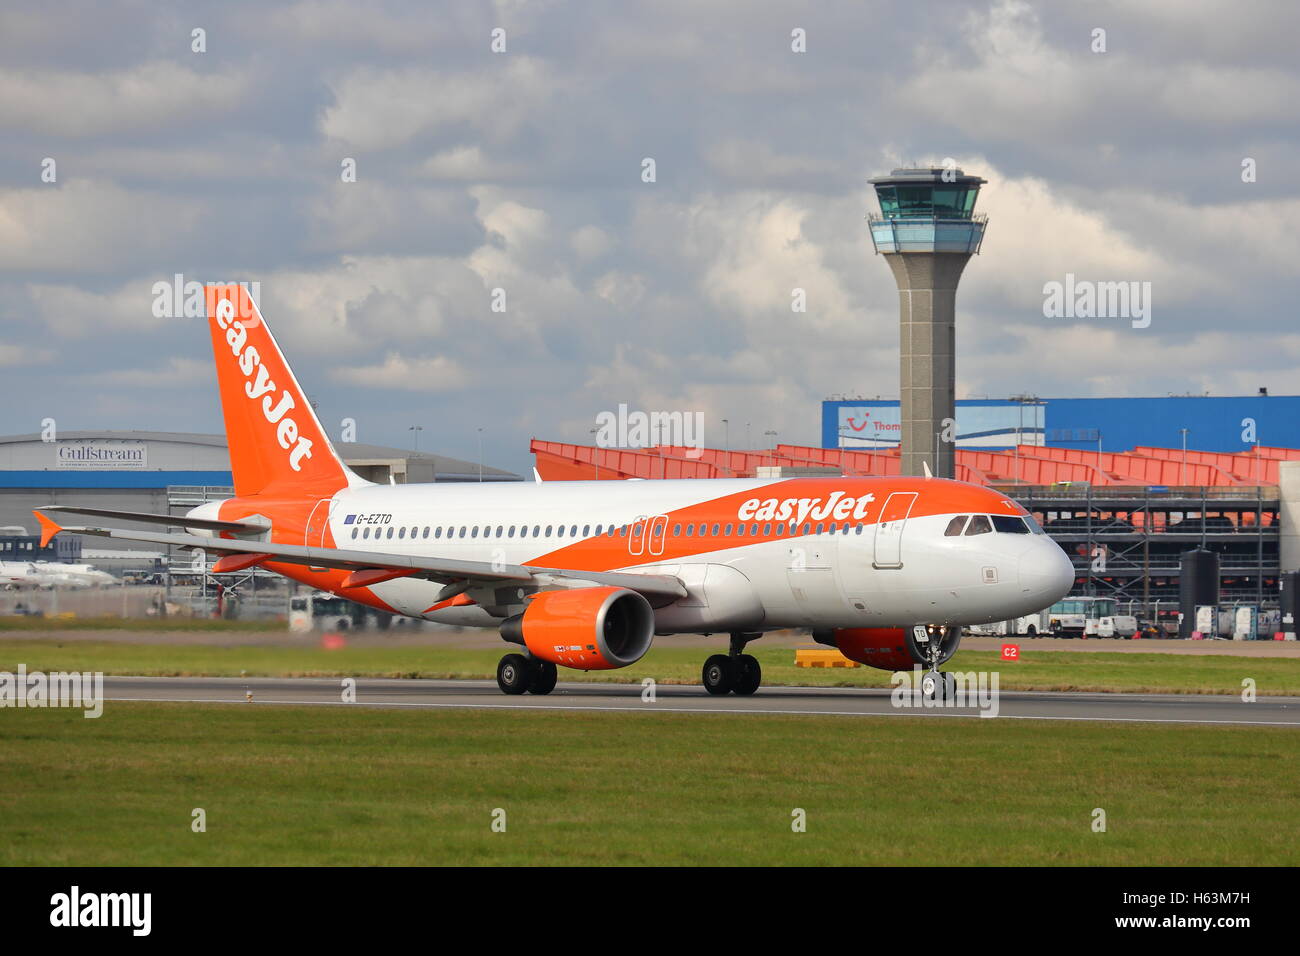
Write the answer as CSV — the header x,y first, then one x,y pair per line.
x,y
586,574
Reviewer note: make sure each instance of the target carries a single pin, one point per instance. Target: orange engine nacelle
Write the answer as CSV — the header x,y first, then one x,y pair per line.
x,y
590,629
889,648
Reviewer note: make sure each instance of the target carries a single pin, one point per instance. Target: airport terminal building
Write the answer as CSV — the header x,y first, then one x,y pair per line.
x,y
164,473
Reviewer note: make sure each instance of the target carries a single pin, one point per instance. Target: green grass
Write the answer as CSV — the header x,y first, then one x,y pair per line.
x,y
19,622
1045,670
289,785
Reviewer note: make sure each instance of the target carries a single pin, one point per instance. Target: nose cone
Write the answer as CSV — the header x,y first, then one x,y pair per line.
x,y
1046,574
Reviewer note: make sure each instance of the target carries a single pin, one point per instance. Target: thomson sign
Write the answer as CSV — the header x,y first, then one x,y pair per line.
x,y
100,455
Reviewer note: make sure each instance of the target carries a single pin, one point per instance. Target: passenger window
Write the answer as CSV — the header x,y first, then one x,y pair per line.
x,y
716,529
690,531
462,531
549,529
426,531
586,530
821,527
510,531
979,524
780,528
622,531
753,530
573,531
390,533
740,530
600,529
473,532
767,529
437,532
537,531
727,532
677,530
354,532
401,533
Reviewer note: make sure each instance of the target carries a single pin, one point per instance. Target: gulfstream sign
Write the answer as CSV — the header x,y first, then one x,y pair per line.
x,y
101,455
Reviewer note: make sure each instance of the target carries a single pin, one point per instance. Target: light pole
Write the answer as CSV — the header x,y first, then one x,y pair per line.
x,y
773,448
726,445
417,429
1183,481
595,450
480,455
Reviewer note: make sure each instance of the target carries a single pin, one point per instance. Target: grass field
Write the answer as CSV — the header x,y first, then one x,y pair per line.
x,y
1036,670
288,785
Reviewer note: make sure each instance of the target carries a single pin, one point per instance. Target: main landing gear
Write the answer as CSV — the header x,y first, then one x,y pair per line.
x,y
517,674
736,672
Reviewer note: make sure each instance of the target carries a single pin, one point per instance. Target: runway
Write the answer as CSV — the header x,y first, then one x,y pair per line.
x,y
804,701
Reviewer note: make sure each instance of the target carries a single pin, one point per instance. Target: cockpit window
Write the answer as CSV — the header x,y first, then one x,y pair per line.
x,y
1009,524
955,526
979,524
1034,526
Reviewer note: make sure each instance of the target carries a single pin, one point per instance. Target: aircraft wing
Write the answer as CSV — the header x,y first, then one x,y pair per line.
x,y
370,567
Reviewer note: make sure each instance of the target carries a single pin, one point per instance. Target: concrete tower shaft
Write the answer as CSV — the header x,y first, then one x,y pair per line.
x,y
927,305
927,231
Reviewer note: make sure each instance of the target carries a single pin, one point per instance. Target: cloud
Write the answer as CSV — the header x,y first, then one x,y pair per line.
x,y
175,372
382,109
78,105
413,374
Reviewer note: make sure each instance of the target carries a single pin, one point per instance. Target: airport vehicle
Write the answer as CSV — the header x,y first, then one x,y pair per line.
x,y
320,610
586,574
1072,617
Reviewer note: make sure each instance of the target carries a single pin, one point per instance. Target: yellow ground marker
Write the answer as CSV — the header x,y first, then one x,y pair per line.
x,y
821,657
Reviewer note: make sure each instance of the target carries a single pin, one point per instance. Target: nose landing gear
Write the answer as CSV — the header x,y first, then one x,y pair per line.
x,y
932,645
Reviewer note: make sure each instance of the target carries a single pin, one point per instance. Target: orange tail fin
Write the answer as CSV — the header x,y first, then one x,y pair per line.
x,y
276,442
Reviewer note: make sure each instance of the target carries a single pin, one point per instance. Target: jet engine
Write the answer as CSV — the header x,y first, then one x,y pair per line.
x,y
894,648
588,629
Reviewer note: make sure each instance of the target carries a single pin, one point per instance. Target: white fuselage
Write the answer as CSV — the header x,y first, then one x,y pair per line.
x,y
857,571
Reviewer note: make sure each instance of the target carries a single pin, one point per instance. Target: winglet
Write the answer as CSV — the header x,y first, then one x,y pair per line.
x,y
928,472
48,528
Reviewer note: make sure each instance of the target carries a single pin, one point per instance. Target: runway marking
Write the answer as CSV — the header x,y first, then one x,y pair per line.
x,y
909,712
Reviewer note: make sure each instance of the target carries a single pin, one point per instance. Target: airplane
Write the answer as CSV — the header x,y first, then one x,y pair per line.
x,y
74,575
21,574
50,574
586,574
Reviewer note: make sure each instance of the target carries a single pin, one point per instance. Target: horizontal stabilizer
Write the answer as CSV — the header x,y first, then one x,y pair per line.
x,y
179,521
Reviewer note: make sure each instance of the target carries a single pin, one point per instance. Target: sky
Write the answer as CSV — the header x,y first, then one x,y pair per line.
x,y
1112,157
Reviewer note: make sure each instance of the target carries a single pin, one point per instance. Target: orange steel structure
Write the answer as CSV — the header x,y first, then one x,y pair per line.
x,y
1024,465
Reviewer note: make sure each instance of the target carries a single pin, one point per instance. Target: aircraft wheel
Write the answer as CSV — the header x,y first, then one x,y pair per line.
x,y
748,675
514,674
718,675
545,674
938,686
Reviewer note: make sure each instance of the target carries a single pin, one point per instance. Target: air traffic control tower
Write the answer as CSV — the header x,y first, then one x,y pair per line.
x,y
927,230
